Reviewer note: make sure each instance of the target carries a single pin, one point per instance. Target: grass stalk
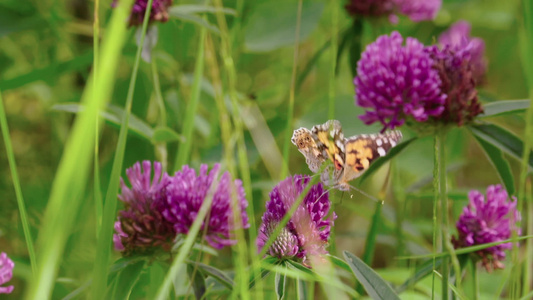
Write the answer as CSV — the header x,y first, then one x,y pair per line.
x,y
184,150
98,203
527,60
290,111
160,148
16,183
103,248
436,226
71,177
244,168
334,48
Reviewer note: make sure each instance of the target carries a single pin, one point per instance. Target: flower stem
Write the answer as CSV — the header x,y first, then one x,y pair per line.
x,y
441,193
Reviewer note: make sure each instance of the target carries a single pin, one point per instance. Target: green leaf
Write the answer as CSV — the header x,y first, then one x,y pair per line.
x,y
339,263
127,279
504,107
197,280
49,72
280,284
190,9
502,139
421,272
272,25
499,162
375,286
165,135
217,274
382,160
113,115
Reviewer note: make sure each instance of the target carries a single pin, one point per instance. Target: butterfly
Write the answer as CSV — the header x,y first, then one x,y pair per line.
x,y
350,156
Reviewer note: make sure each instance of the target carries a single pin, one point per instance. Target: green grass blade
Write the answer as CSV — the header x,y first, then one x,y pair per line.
x,y
97,194
290,110
71,177
526,41
16,184
103,247
184,150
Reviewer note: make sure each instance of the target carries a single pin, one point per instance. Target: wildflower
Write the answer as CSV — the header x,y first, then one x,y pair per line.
x,y
397,83
158,13
416,10
141,228
370,8
308,229
6,273
486,221
419,10
455,71
458,37
186,193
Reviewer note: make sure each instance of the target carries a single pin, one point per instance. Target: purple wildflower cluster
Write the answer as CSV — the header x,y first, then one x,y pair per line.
x,y
488,220
396,82
307,232
416,10
157,209
6,273
158,13
414,83
457,37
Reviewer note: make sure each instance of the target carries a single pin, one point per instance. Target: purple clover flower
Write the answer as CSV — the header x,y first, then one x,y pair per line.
x,y
186,193
458,38
158,13
416,10
455,71
6,273
370,8
419,10
141,228
397,83
486,221
308,230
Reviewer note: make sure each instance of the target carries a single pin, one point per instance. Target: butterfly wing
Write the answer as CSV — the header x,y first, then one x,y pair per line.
x,y
330,141
303,139
362,150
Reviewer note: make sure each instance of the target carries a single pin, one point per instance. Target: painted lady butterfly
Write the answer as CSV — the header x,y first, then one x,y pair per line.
x,y
350,156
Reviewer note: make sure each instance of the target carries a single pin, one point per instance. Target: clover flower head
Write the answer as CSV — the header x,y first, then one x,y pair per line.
x,y
397,83
141,227
158,13
6,273
370,8
186,193
308,229
458,37
455,71
419,10
486,220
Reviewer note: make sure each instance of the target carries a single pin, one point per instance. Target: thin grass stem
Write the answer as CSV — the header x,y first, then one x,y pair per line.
x,y
97,191
103,249
18,190
184,150
290,110
160,148
527,61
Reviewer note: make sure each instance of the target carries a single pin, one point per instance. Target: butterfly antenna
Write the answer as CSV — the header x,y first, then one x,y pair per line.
x,y
365,194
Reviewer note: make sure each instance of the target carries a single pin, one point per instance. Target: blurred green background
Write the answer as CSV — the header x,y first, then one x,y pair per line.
x,y
46,57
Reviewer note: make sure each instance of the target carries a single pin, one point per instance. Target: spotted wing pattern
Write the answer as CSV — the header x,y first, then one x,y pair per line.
x,y
350,156
303,139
